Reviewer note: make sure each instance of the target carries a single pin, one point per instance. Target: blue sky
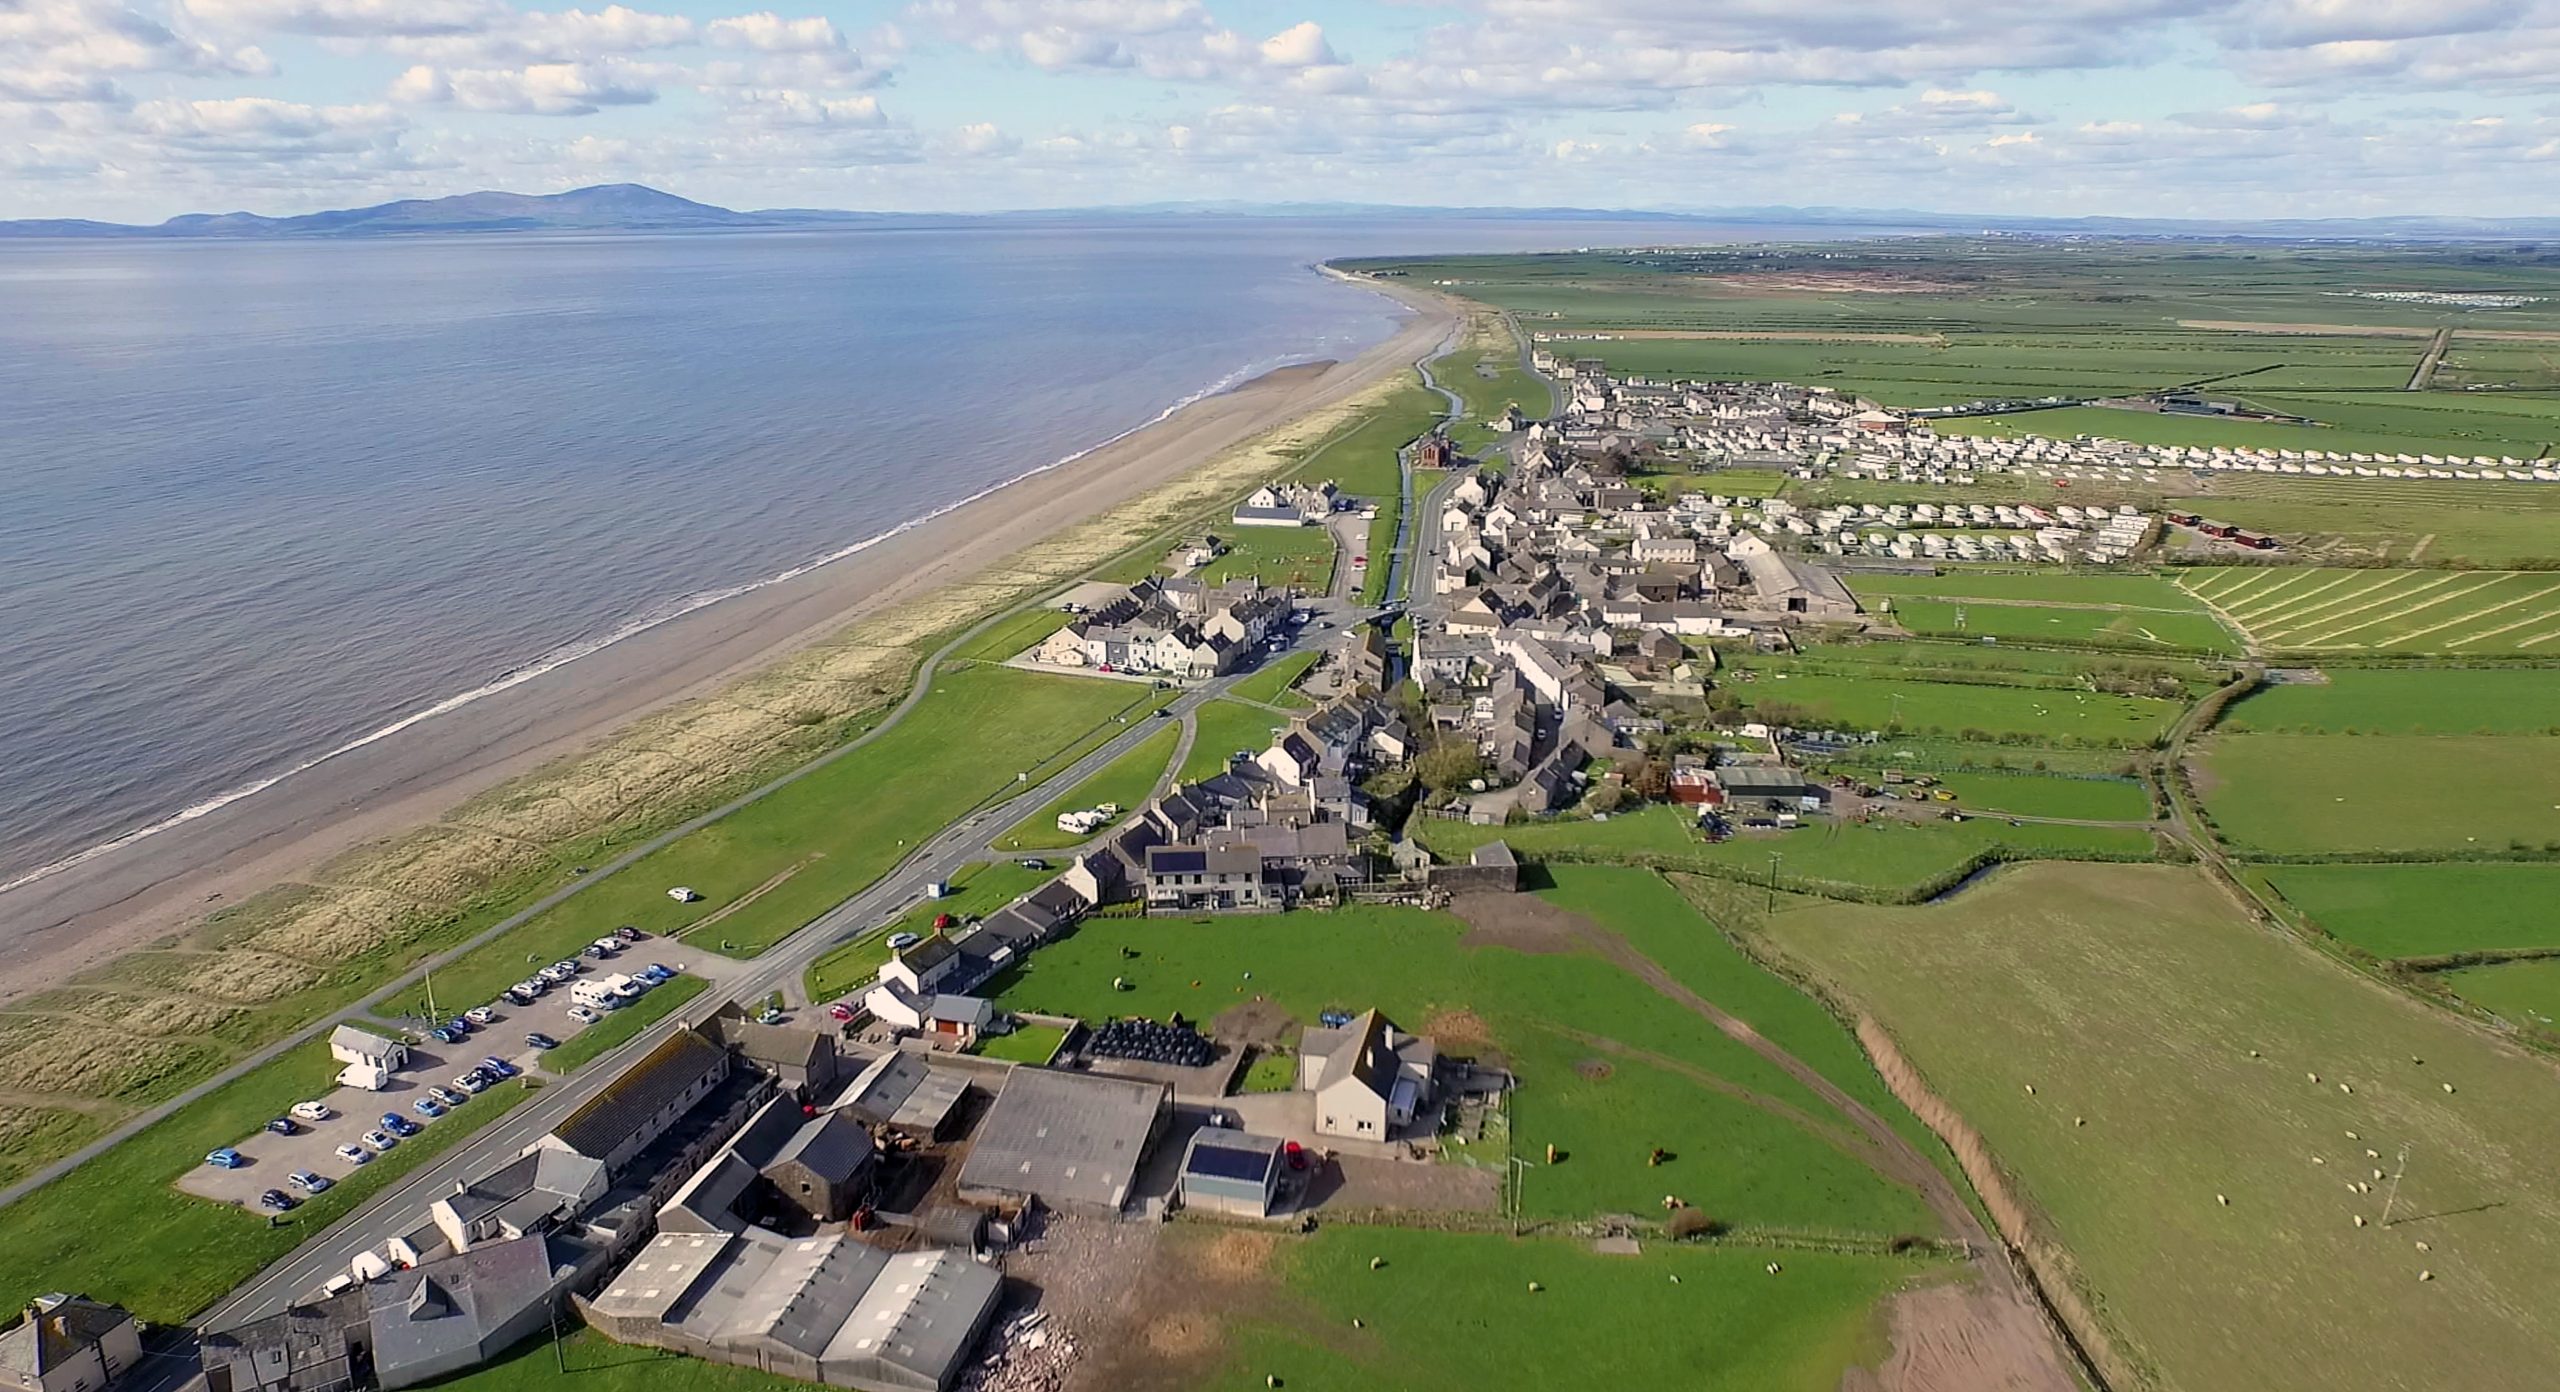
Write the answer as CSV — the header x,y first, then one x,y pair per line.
x,y
137,109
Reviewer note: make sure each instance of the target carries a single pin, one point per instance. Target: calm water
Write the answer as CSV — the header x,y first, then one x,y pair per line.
x,y
261,499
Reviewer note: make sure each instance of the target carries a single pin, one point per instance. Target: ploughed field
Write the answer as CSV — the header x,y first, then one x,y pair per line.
x,y
2346,612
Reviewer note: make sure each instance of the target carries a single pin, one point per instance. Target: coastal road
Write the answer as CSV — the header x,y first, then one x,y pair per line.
x,y
378,1217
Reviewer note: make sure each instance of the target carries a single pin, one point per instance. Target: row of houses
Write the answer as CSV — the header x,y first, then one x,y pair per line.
x,y
1171,627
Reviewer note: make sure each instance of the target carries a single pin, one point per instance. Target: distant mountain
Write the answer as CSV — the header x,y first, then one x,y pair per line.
x,y
636,208
602,208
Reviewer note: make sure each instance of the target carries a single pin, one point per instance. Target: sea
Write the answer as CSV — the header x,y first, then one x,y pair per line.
x,y
262,502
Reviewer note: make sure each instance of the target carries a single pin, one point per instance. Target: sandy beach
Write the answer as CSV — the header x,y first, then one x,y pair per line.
x,y
157,887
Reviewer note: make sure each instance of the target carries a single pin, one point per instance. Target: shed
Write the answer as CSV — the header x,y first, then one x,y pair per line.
x,y
1071,1140
1231,1172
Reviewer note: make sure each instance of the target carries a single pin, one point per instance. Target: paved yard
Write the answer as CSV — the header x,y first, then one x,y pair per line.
x,y
272,1157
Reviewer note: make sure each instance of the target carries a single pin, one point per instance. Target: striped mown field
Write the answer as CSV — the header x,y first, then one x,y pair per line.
x,y
2409,611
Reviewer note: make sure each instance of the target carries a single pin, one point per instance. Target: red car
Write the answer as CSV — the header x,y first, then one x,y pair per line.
x,y
1296,1155
840,1011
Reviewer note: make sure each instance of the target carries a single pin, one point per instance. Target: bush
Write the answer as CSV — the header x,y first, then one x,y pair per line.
x,y
1691,1223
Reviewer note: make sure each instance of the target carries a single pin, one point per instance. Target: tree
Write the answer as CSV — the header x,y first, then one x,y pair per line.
x,y
1651,780
1449,763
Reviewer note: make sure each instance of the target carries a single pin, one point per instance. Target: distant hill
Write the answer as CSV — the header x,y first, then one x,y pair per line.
x,y
637,208
602,208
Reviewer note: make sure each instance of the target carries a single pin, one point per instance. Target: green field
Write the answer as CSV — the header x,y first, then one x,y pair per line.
x,y
1883,858
978,889
2137,612
1272,686
2136,999
2524,993
586,1361
2142,592
2399,520
2289,794
1223,727
1972,710
2398,701
56,1239
1126,781
2388,611
1453,1311
1610,1068
1278,556
1034,1044
1361,457
2031,795
783,860
1009,638
2426,910
623,1025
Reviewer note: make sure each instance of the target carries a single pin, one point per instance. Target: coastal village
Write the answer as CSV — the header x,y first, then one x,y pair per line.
x,y
854,1192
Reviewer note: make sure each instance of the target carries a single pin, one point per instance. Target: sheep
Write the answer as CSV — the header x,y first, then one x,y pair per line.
x,y
2223,1199
2448,1087
2359,1220
2426,1275
1774,1268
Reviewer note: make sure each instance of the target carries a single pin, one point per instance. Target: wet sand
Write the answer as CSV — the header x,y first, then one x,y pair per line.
x,y
162,885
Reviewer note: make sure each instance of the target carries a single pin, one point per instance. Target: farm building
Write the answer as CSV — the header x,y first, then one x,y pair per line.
x,y
1231,1172
901,1092
1071,1140
1369,1077
828,1309
1750,788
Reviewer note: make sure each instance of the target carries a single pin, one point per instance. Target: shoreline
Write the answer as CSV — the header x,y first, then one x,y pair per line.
x,y
146,889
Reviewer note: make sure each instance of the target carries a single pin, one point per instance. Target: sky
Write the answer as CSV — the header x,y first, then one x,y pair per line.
x,y
135,110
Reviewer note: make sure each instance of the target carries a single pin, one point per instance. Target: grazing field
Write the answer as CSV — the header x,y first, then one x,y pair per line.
x,y
2290,794
2144,592
1454,1310
1361,458
2141,630
1278,556
1224,728
1034,1044
2426,910
2524,993
1006,638
2134,999
1610,1068
1126,781
1976,710
2391,520
55,1238
2035,795
2459,612
2400,701
1884,858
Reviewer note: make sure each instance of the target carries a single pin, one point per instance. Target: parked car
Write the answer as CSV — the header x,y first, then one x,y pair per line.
x,y
594,951
570,966
225,1158
1032,863
310,1183
769,1016
313,1111
460,1025
448,1096
632,989
629,934
397,1124
684,895
355,1154
583,1015
276,1200
441,1035
840,1012
539,1040
481,1015
472,1083
662,971
379,1141
285,1126
501,1067
427,1107
900,942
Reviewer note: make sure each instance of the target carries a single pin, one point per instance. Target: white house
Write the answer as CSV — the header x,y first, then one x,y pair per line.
x,y
370,1059
1369,1078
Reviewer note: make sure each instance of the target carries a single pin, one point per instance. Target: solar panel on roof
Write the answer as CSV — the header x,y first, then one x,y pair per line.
x,y
1229,1162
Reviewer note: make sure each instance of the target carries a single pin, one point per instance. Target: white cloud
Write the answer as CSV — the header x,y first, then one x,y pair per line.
x,y
785,107
1301,45
540,89
767,32
73,51
352,18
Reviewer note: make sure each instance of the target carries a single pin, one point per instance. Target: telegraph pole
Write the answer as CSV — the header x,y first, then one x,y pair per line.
x,y
1774,858
2392,1195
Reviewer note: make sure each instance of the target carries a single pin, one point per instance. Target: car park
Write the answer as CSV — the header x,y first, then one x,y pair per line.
x,y
583,1015
276,1200
312,1111
225,1159
480,1015
310,1183
539,1040
379,1141
285,1126
355,1154
448,1096
427,1107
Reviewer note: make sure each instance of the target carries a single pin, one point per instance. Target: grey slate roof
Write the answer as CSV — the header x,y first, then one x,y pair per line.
x,y
458,1302
612,1116
1071,1138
